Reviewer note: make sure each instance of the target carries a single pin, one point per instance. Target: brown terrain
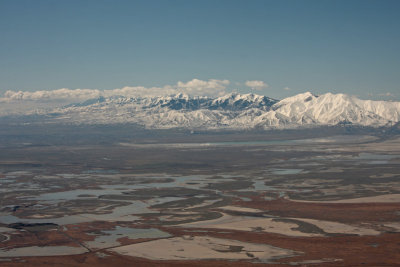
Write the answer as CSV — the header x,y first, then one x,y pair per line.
x,y
164,203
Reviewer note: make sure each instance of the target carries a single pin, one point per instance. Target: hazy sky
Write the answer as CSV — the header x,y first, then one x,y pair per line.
x,y
293,46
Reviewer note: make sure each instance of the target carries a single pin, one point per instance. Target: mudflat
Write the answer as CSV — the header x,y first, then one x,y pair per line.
x,y
206,201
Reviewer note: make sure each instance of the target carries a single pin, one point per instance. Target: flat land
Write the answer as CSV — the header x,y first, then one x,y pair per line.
x,y
97,196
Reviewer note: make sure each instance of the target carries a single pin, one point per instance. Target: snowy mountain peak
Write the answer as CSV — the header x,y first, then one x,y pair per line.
x,y
238,101
304,97
234,111
180,96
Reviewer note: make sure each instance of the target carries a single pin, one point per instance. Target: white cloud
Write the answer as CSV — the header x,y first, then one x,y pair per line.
x,y
58,94
286,88
139,91
194,87
199,87
386,94
256,85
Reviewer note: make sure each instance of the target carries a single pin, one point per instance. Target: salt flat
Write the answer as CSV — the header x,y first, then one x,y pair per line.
x,y
201,248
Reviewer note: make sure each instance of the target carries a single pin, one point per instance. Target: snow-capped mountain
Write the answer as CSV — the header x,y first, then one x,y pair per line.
x,y
234,111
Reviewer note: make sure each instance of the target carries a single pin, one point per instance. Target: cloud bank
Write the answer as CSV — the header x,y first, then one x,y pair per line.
x,y
195,87
256,85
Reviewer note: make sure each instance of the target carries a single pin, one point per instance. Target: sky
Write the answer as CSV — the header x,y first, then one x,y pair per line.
x,y
275,48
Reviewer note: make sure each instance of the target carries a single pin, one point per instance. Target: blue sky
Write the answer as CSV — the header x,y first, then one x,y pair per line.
x,y
319,46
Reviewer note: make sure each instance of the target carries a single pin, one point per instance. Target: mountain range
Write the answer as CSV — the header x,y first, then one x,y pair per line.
x,y
231,111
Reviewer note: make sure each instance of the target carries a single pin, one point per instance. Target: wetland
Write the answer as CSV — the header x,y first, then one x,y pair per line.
x,y
98,196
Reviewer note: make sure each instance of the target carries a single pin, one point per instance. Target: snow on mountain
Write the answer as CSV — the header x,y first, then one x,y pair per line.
x,y
234,111
235,101
332,109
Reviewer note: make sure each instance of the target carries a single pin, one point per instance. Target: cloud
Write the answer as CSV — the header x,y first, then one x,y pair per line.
x,y
194,87
383,95
199,87
286,88
256,85
139,91
386,94
58,94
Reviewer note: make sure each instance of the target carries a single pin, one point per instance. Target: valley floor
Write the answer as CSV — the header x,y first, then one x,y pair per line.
x,y
322,201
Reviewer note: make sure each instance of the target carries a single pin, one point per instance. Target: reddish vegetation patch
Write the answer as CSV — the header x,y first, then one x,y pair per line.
x,y
91,259
47,238
379,250
339,212
71,235
382,250
127,241
79,231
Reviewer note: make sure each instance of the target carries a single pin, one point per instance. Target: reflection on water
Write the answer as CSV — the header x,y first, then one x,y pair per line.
x,y
259,185
122,213
127,212
286,171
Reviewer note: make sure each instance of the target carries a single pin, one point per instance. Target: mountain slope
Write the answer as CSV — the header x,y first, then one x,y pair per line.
x,y
235,111
332,109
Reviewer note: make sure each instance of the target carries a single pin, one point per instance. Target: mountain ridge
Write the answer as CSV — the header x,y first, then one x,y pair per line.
x,y
230,111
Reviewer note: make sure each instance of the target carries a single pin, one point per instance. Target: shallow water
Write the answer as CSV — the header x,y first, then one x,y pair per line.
x,y
109,238
286,171
265,142
372,158
123,213
259,185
